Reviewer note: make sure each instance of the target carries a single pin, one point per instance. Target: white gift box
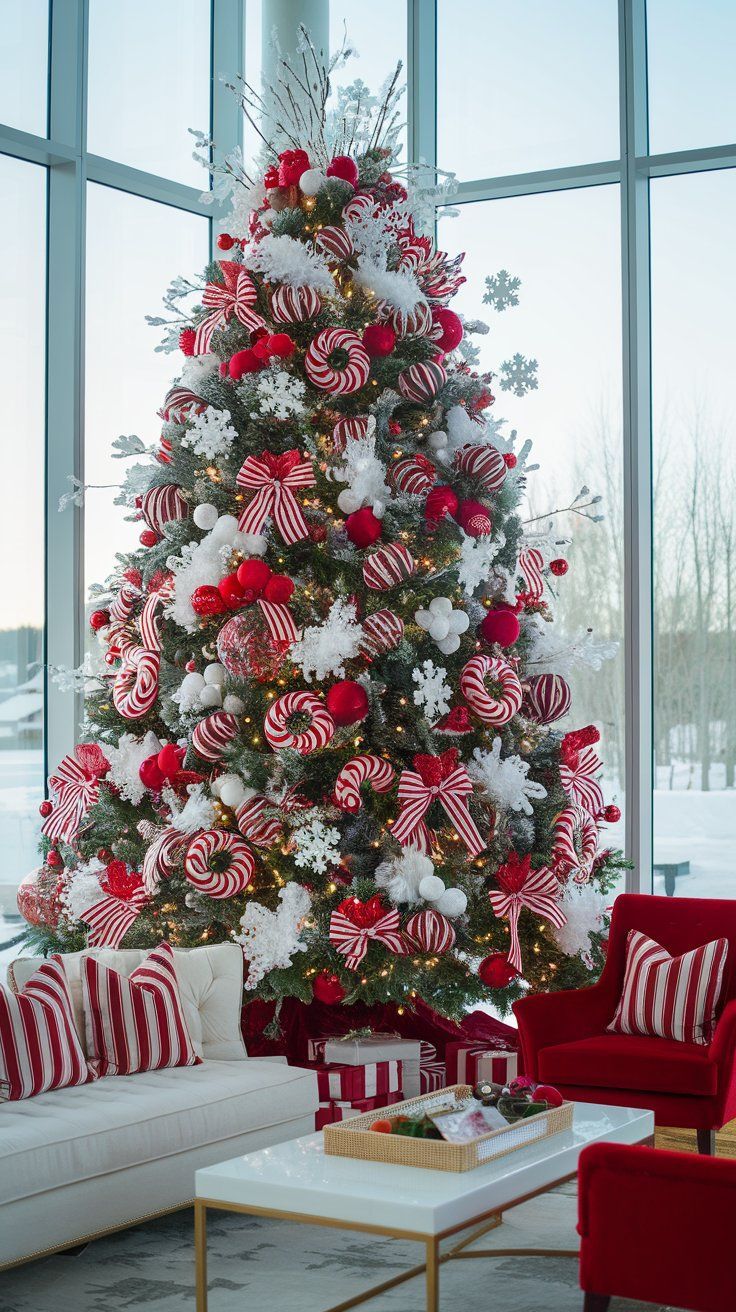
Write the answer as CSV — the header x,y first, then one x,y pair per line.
x,y
379,1047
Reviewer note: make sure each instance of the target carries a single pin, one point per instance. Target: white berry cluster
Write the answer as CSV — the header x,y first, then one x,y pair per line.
x,y
443,624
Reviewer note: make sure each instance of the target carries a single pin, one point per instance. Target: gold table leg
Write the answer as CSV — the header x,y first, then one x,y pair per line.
x,y
433,1276
200,1253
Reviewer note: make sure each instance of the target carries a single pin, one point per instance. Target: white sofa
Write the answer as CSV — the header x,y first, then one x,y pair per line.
x,y
77,1162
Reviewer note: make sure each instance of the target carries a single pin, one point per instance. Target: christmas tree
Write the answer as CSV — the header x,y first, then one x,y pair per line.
x,y
323,716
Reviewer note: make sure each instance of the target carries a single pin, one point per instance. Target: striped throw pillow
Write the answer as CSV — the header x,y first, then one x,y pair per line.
x,y
135,1022
39,1044
670,997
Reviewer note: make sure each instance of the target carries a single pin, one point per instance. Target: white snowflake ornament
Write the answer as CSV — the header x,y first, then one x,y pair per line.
x,y
502,290
443,624
519,375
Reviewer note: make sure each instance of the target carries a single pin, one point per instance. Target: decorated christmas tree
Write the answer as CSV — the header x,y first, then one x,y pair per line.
x,y
322,709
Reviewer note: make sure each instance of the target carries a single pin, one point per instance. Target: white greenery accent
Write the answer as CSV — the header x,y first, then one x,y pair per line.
x,y
284,259
551,652
270,939
583,905
397,287
125,762
401,877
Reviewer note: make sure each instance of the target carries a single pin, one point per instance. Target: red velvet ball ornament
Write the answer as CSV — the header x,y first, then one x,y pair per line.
x,y
45,809
292,163
495,971
279,589
510,460
206,600
54,859
475,519
440,501
261,348
244,362
231,591
347,702
363,527
500,626
379,339
253,575
559,566
98,619
282,345
327,988
150,774
169,760
612,814
225,242
149,538
342,166
452,328
186,341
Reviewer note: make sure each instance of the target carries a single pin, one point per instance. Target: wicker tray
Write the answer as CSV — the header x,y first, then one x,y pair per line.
x,y
354,1137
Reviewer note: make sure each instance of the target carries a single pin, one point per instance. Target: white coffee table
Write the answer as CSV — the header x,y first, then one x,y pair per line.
x,y
297,1181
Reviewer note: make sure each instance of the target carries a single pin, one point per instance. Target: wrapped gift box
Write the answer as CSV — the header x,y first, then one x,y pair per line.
x,y
336,1110
433,1075
379,1048
467,1063
350,1082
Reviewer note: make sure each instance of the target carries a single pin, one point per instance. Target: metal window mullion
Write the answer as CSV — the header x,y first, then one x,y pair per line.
x,y
64,366
637,458
422,80
598,174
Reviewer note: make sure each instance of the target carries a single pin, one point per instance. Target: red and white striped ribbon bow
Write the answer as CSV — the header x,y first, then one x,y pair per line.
x,y
235,296
110,919
537,890
274,480
352,940
416,797
76,787
280,621
578,776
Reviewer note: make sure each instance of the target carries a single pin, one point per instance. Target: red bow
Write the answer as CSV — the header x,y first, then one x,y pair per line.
x,y
441,779
274,478
235,296
110,919
521,886
76,786
354,924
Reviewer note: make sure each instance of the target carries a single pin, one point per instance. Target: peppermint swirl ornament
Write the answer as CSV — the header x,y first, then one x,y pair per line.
x,y
213,734
387,567
547,698
334,243
278,729
416,322
421,382
483,463
219,883
382,632
353,428
414,475
337,361
430,931
294,304
162,505
362,769
491,708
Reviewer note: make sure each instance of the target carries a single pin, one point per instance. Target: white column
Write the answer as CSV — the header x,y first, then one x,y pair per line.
x,y
282,19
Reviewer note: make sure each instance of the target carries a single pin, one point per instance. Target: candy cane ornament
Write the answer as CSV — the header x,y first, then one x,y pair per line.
x,y
338,378
370,769
279,734
575,843
218,883
490,708
135,689
213,733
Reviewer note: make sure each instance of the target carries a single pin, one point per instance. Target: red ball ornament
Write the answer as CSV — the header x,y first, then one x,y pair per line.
x,y
363,527
98,619
232,592
379,339
496,971
279,589
612,814
37,898
441,501
206,600
510,460
342,166
500,626
282,345
247,649
253,575
104,854
150,775
292,163
186,341
475,519
318,533
148,538
45,809
225,242
451,328
327,988
261,348
559,566
347,702
244,362
169,760
54,859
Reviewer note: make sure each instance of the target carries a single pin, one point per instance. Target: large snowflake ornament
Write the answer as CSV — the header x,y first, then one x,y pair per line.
x,y
432,691
270,939
505,780
519,375
317,846
211,434
324,648
502,290
281,395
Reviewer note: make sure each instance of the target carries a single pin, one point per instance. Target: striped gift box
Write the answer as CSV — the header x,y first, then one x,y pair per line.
x,y
467,1063
433,1075
336,1110
347,1083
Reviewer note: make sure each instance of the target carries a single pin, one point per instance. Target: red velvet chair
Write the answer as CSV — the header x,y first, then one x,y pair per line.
x,y
564,1040
656,1226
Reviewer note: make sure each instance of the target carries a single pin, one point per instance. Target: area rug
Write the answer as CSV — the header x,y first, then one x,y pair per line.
x,y
272,1266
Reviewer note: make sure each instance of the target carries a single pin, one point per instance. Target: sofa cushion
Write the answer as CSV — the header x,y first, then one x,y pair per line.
x,y
626,1061
135,1022
39,1045
125,1120
670,997
210,984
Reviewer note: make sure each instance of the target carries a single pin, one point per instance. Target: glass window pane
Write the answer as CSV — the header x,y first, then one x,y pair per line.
x,y
525,85
377,32
24,63
693,291
692,92
149,82
572,326
22,338
126,379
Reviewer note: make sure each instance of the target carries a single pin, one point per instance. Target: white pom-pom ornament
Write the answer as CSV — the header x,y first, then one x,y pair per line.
x,y
349,501
210,696
215,674
192,684
453,902
443,624
431,888
310,181
233,704
205,516
232,791
225,529
437,441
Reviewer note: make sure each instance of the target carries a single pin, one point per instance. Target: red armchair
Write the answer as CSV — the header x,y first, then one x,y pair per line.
x,y
656,1226
564,1040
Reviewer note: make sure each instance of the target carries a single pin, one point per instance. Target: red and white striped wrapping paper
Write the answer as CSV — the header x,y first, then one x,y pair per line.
x,y
335,1110
432,1076
467,1063
378,1047
350,1082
